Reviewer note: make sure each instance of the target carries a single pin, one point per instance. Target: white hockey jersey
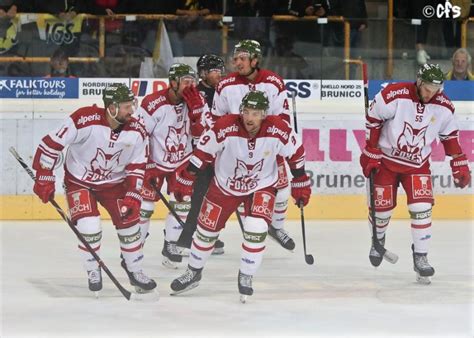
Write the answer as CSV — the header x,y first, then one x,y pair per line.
x,y
409,126
97,156
244,165
232,89
168,127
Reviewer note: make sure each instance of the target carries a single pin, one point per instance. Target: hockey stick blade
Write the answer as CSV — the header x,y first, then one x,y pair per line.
x,y
390,257
127,294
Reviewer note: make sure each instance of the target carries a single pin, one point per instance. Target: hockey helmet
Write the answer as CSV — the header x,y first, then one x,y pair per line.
x,y
255,100
209,62
431,74
181,70
117,93
250,46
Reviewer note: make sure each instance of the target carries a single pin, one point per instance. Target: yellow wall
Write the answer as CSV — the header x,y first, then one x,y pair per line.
x,y
29,207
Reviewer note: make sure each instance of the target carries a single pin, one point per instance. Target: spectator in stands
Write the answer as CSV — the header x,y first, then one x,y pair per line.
x,y
8,9
191,21
59,64
461,65
357,12
301,8
251,20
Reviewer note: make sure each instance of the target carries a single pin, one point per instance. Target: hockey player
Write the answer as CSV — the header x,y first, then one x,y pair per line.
x,y
105,163
245,148
169,116
402,122
230,91
210,68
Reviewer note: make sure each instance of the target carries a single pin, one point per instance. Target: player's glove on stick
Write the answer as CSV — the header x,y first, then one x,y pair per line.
x,y
130,209
44,185
301,189
461,174
370,159
154,177
183,185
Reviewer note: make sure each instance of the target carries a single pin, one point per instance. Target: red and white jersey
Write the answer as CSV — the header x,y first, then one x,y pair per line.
x,y
97,156
244,165
232,89
409,126
168,127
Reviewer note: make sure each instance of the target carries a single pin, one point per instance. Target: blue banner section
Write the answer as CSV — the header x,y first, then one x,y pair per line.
x,y
455,90
38,88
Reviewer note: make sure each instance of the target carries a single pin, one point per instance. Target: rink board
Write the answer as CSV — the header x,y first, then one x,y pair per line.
x,y
330,119
26,207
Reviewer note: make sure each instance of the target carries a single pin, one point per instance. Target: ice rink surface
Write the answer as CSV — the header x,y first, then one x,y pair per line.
x,y
44,287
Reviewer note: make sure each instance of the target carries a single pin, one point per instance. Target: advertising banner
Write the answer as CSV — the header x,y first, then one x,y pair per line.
x,y
38,88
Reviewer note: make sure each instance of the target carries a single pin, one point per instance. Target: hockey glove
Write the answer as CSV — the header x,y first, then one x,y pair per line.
x,y
461,173
44,185
370,159
154,177
183,185
301,189
195,102
130,209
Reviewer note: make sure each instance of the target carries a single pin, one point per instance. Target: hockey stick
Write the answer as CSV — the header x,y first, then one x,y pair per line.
x,y
387,255
309,259
127,294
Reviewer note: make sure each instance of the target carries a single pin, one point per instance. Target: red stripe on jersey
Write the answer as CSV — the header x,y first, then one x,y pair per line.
x,y
421,226
135,166
246,248
84,249
403,90
48,141
451,145
138,247
203,156
297,159
201,248
89,116
152,102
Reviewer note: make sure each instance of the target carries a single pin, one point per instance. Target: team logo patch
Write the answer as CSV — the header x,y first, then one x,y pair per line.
x,y
262,204
410,143
79,202
175,143
421,186
209,214
282,176
245,176
383,196
102,166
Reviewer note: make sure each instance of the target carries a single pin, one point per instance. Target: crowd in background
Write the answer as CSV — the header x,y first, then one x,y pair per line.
x,y
193,34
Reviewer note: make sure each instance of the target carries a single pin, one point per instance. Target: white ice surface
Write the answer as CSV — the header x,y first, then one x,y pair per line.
x,y
44,288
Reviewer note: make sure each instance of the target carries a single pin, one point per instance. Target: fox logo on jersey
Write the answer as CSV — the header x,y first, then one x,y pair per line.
x,y
245,176
101,166
410,143
175,143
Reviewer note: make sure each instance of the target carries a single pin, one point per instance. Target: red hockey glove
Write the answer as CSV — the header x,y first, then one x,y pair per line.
x,y
194,101
183,184
370,159
130,209
44,185
154,177
461,174
301,189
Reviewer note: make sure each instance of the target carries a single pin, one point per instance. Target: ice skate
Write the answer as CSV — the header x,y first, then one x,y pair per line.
x,y
95,281
218,248
245,286
187,281
374,257
141,282
171,255
282,237
422,268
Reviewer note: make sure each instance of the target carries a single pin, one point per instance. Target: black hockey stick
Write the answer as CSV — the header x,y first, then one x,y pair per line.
x,y
309,259
387,255
127,294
